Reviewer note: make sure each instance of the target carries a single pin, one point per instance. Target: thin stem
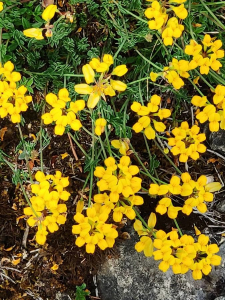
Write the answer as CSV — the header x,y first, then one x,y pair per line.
x,y
106,134
41,146
90,133
195,86
78,144
178,227
139,80
118,50
25,153
217,77
90,188
206,82
190,25
143,221
167,157
102,146
156,179
150,62
141,163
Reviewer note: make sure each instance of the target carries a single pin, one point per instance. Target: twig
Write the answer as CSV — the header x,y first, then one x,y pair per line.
x,y
74,152
24,242
214,152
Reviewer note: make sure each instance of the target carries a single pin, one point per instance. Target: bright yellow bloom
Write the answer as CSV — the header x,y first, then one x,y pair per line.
x,y
34,33
187,142
149,113
49,12
181,12
100,126
122,145
105,86
1,6
47,211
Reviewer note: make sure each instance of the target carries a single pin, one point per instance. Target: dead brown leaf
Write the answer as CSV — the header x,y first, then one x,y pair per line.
x,y
46,3
2,132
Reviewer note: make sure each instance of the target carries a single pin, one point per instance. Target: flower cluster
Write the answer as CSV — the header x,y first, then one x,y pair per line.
x,y
184,254
13,100
61,115
93,229
214,113
187,142
195,193
181,254
174,72
47,210
148,114
159,19
120,182
104,85
206,55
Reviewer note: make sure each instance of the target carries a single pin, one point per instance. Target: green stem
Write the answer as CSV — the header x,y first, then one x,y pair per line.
x,y
178,227
151,63
167,157
195,86
90,188
217,77
156,179
78,144
25,153
139,80
90,133
118,50
141,163
190,25
41,146
143,221
206,82
102,146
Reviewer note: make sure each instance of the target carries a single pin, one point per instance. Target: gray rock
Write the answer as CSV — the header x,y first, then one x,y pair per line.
x,y
135,277
220,298
217,141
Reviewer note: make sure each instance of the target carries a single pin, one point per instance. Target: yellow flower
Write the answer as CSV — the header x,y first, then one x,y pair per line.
x,y
122,145
34,33
49,12
199,101
104,86
100,126
181,11
193,48
1,6
153,76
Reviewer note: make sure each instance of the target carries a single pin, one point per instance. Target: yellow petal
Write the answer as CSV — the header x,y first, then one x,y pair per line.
x,y
93,100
